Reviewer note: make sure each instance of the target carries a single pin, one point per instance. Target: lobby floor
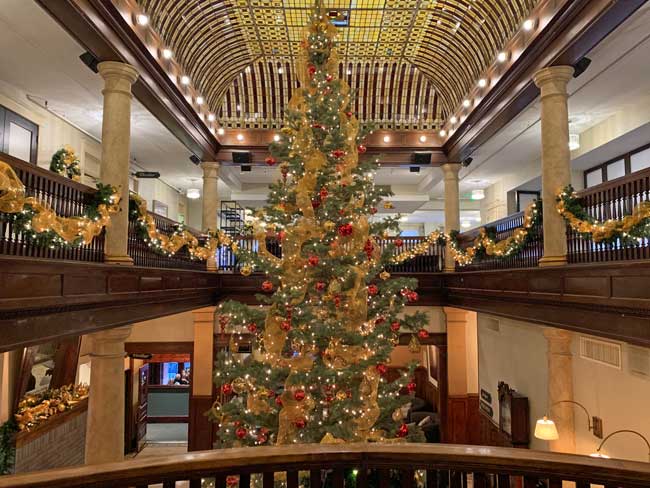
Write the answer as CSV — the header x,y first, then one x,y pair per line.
x,y
166,433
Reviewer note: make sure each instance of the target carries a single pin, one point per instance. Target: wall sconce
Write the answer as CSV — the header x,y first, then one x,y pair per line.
x,y
546,430
600,455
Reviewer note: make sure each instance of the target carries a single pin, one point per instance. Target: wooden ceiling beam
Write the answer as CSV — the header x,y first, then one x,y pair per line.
x,y
100,28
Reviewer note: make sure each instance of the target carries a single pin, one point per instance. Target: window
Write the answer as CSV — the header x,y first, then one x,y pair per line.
x,y
594,177
615,169
640,160
525,198
18,136
634,161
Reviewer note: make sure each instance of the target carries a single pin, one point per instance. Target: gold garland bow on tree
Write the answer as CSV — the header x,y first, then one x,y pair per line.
x,y
41,224
628,229
170,245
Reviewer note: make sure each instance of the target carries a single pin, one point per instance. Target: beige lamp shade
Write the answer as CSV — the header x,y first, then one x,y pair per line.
x,y
546,430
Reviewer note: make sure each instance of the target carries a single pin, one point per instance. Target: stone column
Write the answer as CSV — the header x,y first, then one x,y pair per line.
x,y
452,208
116,138
560,387
556,157
105,424
210,202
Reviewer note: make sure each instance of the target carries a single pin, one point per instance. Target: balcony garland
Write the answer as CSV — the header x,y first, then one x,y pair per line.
x,y
42,226
627,230
170,245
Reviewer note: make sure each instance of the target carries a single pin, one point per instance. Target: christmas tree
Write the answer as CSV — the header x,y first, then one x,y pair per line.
x,y
322,343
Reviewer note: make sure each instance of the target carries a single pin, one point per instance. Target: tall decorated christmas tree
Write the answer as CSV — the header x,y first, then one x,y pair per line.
x,y
322,344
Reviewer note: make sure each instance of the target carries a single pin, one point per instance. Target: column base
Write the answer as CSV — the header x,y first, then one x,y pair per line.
x,y
449,270
211,265
122,260
548,261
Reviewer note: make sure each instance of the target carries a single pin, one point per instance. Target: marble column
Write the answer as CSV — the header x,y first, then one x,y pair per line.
x,y
105,424
560,387
116,139
210,202
452,208
556,157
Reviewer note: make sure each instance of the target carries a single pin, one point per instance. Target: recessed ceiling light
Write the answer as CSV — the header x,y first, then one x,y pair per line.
x,y
442,132
453,119
211,117
482,83
276,137
466,103
199,100
528,24
142,19
386,139
185,80
167,53
502,57
248,69
280,70
220,131
423,138
349,71
238,107
240,137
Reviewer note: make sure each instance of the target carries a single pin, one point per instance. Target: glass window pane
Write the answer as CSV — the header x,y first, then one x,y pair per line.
x,y
594,177
20,142
640,160
616,169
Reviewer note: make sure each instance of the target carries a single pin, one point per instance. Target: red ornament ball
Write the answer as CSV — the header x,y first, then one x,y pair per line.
x,y
271,161
278,401
312,70
402,431
285,325
281,235
413,297
313,260
361,148
382,369
398,242
345,230
380,320
323,193
411,387
395,326
320,286
261,438
241,432
329,77
423,333
300,423
349,114
252,327
226,388
267,286
315,203
373,210
373,290
338,153
329,398
299,395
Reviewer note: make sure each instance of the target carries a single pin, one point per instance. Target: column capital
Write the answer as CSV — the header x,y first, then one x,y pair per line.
x,y
210,169
451,169
116,70
557,76
110,343
559,340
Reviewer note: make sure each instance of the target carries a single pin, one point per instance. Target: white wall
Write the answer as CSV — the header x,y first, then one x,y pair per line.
x,y
53,132
155,189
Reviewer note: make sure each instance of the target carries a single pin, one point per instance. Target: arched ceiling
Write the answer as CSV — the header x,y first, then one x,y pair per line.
x,y
411,61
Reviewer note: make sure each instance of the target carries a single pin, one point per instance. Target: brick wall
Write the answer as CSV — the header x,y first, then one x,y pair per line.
x,y
53,447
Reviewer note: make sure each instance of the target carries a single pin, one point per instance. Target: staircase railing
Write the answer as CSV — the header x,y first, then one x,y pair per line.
x,y
348,465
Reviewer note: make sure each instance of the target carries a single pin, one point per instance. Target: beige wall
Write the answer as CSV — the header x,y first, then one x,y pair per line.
x,y
172,328
53,132
516,354
155,189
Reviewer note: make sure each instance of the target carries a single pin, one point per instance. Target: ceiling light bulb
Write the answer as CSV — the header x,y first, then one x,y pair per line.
x,y
528,24
199,100
442,132
478,194
167,53
280,70
453,119
276,138
240,137
349,71
502,57
386,139
193,193
211,117
238,107
423,138
466,103
142,19
185,80
482,83
220,131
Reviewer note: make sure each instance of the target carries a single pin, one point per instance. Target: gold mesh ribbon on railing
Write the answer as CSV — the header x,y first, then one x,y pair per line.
x,y
71,229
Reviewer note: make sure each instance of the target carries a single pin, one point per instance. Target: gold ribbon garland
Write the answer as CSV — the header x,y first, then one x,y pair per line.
x,y
70,229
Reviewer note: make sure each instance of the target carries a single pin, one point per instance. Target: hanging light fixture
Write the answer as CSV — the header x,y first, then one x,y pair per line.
x,y
574,142
193,193
545,428
478,194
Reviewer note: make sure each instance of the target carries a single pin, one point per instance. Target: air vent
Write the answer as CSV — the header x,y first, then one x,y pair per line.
x,y
491,324
639,361
603,352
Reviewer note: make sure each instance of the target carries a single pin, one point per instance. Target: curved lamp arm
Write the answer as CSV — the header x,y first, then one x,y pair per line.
x,y
589,423
625,431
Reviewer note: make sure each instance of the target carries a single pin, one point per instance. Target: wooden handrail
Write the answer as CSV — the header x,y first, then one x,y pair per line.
x,y
481,461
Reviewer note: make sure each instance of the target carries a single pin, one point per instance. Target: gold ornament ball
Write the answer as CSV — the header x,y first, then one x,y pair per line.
x,y
329,225
239,385
384,275
397,415
388,205
246,270
341,395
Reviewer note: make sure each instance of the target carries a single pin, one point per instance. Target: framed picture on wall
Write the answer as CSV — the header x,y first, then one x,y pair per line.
x,y
514,415
18,136
160,208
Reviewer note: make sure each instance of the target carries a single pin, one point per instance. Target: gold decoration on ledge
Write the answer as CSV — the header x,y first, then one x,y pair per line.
x,y
70,230
36,409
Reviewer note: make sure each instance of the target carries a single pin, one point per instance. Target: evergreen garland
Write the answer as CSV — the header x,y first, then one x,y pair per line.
x,y
66,163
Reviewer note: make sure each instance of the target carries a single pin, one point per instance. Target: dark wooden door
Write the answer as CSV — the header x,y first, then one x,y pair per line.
x,y
141,416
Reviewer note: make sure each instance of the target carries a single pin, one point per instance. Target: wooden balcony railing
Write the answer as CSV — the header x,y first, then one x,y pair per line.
x,y
68,198
611,200
352,465
143,255
505,227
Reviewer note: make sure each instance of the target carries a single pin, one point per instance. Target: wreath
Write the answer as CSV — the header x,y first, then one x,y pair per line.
x,y
66,163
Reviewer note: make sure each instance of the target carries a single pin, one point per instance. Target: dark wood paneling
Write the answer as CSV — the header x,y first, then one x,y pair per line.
x,y
201,429
159,348
462,419
170,419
